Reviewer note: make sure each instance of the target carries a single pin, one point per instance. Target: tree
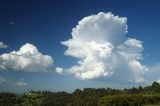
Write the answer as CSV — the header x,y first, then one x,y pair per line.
x,y
156,86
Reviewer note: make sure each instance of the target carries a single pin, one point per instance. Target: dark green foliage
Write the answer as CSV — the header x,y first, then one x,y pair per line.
x,y
56,99
87,97
7,99
156,86
151,99
122,100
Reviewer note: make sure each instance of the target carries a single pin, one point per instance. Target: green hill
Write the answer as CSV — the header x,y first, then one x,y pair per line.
x,y
141,96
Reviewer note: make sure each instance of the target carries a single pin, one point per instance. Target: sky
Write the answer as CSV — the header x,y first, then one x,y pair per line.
x,y
62,45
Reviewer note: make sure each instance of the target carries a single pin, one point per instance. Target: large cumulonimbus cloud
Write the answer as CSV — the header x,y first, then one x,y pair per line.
x,y
100,43
27,59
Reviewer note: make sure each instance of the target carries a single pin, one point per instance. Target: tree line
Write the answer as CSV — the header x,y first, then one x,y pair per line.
x,y
86,97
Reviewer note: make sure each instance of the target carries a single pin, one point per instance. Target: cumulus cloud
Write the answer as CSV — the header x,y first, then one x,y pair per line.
x,y
27,59
21,83
100,43
2,45
2,80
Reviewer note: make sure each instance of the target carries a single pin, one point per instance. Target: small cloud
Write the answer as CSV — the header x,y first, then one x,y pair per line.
x,y
21,83
147,54
2,45
12,23
2,80
59,69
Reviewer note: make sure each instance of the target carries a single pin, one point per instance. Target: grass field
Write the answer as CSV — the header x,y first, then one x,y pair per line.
x,y
152,105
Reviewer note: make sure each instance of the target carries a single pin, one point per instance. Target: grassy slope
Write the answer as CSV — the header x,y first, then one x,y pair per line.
x,y
36,99
30,99
151,93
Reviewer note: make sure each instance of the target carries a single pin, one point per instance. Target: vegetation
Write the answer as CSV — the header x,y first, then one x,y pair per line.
x,y
141,96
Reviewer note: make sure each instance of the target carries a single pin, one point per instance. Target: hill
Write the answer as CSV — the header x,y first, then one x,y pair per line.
x,y
141,96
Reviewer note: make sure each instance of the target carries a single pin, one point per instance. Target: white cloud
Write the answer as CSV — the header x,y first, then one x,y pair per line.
x,y
158,80
2,45
103,50
2,80
21,83
27,59
12,23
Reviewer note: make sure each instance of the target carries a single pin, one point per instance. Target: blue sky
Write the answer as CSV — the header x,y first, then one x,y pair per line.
x,y
45,23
